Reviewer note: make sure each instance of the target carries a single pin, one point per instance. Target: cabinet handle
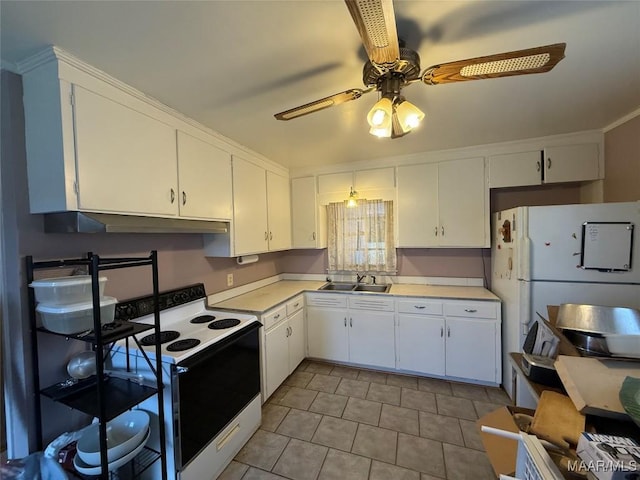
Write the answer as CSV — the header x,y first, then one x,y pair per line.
x,y
266,236
470,310
448,331
435,230
290,331
345,321
295,305
184,197
443,231
270,235
548,163
538,166
313,235
419,307
173,195
277,316
350,322
441,332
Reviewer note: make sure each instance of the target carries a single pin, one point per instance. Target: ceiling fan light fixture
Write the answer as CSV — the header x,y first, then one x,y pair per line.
x,y
408,115
380,114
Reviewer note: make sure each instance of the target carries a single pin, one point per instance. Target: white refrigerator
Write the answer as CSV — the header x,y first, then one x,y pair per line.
x,y
587,253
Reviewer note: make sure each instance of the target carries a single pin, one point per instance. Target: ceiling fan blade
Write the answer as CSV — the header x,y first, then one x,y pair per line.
x,y
376,24
521,62
323,103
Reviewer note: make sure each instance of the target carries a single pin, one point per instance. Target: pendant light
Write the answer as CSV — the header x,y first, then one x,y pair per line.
x,y
352,201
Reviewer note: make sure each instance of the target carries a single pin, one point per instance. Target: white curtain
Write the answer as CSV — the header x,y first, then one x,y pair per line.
x,y
360,238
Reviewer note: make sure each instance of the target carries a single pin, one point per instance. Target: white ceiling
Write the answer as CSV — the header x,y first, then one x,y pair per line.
x,y
232,64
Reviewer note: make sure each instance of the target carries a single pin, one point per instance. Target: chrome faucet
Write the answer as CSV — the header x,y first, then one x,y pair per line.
x,y
359,278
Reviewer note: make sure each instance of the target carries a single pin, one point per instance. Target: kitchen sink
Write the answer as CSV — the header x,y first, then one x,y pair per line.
x,y
343,287
372,288
355,287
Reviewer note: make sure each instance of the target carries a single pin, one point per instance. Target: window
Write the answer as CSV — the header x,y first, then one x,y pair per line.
x,y
361,238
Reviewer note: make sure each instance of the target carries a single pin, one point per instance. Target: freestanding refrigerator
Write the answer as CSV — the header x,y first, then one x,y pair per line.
x,y
586,253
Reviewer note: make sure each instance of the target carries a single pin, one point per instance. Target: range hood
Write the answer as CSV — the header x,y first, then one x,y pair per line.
x,y
84,222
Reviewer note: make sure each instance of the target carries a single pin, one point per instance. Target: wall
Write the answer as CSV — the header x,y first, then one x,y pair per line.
x,y
622,154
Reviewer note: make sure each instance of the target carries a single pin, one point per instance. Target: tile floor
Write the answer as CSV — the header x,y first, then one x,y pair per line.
x,y
334,422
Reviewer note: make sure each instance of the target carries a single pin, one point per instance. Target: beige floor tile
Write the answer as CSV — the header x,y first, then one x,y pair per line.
x,y
340,466
482,408
262,450
272,415
424,401
344,372
471,434
384,393
386,471
467,464
299,379
441,428
434,385
323,383
301,460
404,381
299,424
363,411
497,395
336,433
399,419
455,407
424,476
318,367
421,454
329,404
353,388
257,474
234,471
279,394
298,398
372,376
472,392
376,443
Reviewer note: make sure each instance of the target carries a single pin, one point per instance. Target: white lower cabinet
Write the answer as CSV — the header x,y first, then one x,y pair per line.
x,y
284,346
327,327
371,338
471,349
421,344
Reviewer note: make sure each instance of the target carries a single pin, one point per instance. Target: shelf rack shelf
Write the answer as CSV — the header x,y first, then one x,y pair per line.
x,y
101,395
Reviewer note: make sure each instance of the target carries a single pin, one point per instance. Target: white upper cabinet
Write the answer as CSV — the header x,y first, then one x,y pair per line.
x,y
278,211
204,179
443,204
308,217
554,164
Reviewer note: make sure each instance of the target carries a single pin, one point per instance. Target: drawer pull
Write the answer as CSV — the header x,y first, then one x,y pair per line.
x,y
470,310
420,307
220,445
277,316
296,304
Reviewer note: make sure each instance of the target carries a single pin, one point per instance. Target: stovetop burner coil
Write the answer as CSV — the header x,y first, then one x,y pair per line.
x,y
184,344
165,336
224,323
203,319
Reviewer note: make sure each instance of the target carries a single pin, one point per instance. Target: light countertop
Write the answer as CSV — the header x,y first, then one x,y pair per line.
x,y
262,299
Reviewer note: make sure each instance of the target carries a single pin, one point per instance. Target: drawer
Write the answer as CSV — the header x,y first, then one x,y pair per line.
x,y
471,310
369,302
420,307
327,300
274,316
295,304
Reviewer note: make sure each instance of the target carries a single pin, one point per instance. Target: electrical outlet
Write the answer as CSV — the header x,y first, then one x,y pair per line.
x,y
230,280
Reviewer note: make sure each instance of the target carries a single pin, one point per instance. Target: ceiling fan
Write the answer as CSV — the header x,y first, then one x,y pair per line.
x,y
392,66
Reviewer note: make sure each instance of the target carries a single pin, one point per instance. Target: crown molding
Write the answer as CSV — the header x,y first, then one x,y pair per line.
x,y
622,120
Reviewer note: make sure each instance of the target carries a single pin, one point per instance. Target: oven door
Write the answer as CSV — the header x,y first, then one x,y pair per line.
x,y
213,386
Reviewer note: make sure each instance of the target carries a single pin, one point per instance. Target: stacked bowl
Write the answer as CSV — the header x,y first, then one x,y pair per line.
x,y
65,304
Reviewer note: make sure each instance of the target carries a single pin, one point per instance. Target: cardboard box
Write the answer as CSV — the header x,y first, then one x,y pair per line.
x,y
502,452
609,457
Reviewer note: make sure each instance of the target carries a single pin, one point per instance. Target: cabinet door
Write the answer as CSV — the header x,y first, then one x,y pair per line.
x,y
249,207
327,334
304,214
417,205
461,200
571,163
515,169
279,211
421,344
296,340
276,357
471,349
126,161
204,178
371,338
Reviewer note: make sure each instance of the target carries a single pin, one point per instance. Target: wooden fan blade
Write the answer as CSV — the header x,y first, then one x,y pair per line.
x,y
376,24
521,62
323,103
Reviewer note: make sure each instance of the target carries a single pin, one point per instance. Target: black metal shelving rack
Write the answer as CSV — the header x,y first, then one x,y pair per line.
x,y
101,396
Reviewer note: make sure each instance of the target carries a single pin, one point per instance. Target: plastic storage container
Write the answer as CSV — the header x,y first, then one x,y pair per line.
x,y
65,290
77,317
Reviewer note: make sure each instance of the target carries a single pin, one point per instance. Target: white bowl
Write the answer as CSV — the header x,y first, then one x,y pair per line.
x,y
623,345
124,434
87,469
